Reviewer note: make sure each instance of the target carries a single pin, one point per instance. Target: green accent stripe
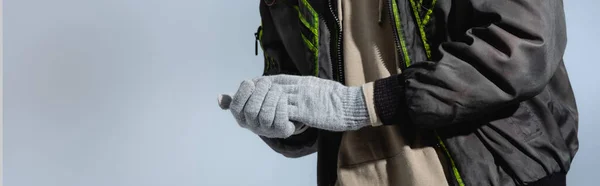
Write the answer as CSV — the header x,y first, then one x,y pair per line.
x,y
428,15
266,57
400,33
421,29
316,31
317,62
454,168
309,43
315,19
304,21
260,34
313,27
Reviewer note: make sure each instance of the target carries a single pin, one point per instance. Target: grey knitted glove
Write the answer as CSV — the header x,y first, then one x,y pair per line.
x,y
270,105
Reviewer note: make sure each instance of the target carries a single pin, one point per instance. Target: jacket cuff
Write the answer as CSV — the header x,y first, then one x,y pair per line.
x,y
369,101
390,104
295,146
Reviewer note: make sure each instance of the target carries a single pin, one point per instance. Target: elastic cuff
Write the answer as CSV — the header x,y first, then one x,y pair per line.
x,y
368,94
390,105
354,108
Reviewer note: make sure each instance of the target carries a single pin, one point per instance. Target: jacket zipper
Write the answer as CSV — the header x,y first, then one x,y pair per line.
x,y
338,41
402,53
399,50
447,169
457,179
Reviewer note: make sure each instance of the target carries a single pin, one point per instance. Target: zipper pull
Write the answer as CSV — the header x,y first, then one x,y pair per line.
x,y
257,36
256,44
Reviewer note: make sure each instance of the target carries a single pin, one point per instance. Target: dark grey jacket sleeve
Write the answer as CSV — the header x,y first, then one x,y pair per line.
x,y
295,146
507,53
271,42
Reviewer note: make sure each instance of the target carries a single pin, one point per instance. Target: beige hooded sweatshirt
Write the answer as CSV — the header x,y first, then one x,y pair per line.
x,y
377,155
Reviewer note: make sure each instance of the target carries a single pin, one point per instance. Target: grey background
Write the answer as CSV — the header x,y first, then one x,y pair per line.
x,y
123,93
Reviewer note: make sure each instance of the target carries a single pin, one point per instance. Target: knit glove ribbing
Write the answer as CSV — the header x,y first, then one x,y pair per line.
x,y
270,105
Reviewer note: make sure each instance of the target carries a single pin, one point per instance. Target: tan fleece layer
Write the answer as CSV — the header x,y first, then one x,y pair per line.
x,y
377,155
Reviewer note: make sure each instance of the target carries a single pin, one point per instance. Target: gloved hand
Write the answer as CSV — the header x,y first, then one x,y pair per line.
x,y
269,105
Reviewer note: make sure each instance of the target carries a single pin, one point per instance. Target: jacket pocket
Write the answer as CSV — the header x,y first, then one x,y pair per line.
x,y
272,37
294,38
271,66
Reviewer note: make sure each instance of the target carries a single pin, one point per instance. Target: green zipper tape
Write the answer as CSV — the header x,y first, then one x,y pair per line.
x,y
454,168
459,179
400,33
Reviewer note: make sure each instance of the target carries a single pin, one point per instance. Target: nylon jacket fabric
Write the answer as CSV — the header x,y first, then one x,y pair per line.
x,y
485,76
